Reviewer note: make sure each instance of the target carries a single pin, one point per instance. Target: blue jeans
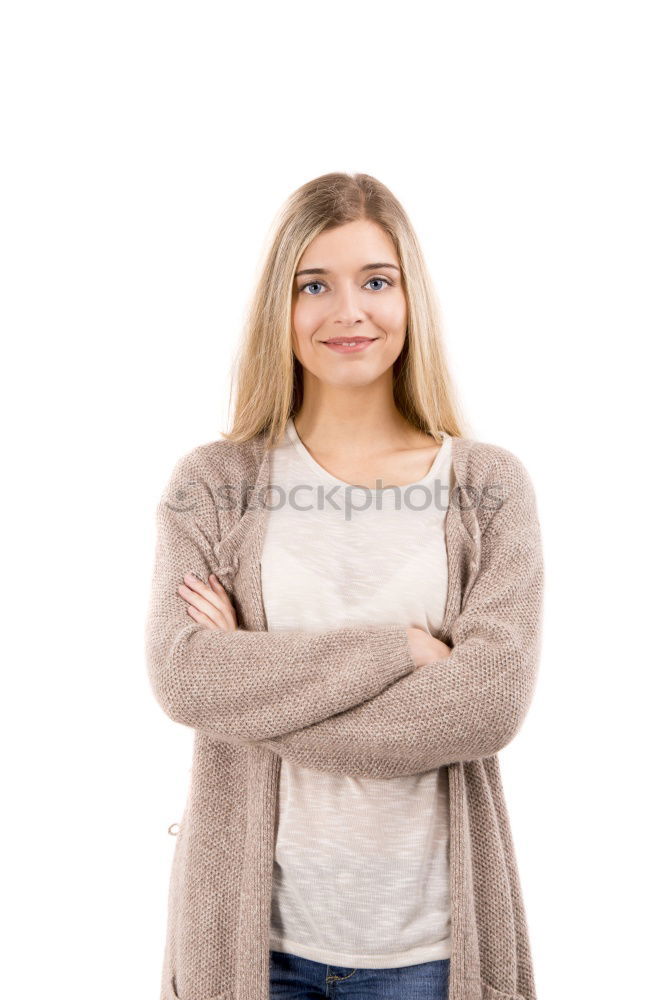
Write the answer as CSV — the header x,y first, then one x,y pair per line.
x,y
295,978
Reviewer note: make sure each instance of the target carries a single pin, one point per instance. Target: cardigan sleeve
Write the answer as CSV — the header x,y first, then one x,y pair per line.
x,y
243,685
471,704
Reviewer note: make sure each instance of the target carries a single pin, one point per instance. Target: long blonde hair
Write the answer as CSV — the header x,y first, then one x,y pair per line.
x,y
268,378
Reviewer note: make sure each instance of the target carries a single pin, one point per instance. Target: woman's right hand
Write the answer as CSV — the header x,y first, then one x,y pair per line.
x,y
208,603
426,648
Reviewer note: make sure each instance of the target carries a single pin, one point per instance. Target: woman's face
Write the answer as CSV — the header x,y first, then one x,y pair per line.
x,y
353,291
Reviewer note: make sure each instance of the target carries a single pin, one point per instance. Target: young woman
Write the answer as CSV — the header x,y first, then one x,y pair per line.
x,y
346,609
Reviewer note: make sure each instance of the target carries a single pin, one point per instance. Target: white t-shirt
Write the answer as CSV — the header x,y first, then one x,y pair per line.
x,y
361,876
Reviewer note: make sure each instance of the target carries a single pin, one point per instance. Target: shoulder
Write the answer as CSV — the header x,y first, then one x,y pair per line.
x,y
492,478
213,476
478,460
220,459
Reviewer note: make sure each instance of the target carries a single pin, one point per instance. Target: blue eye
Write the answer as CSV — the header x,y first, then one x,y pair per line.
x,y
387,280
310,284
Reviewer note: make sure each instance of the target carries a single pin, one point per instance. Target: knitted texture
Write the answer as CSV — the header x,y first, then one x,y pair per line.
x,y
345,700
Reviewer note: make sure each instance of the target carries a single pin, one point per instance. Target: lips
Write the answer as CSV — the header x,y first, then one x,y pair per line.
x,y
356,345
349,340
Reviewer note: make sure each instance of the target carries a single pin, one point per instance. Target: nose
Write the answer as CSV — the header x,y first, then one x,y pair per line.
x,y
347,307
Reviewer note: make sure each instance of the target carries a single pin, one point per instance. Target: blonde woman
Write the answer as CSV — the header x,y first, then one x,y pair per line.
x,y
346,609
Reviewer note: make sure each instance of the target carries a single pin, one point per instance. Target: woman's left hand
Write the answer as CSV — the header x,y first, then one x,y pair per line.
x,y
208,604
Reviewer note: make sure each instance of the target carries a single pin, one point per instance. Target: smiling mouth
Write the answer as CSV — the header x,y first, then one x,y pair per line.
x,y
355,345
349,340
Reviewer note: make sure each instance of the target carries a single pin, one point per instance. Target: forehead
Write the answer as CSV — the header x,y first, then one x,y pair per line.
x,y
349,247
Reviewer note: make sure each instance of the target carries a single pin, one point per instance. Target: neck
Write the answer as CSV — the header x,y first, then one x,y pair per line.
x,y
360,420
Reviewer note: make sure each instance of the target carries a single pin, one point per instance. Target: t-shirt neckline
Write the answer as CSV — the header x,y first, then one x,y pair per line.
x,y
306,455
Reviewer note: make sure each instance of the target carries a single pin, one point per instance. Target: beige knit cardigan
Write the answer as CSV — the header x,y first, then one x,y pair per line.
x,y
346,700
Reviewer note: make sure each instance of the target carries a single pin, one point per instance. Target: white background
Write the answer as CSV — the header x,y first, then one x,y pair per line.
x,y
146,150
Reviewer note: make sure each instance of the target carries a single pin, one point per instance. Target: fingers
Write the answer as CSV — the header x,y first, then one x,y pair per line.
x,y
201,618
201,594
228,609
211,603
197,600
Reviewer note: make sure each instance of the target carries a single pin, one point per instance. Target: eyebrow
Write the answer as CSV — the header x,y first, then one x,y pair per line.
x,y
367,267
